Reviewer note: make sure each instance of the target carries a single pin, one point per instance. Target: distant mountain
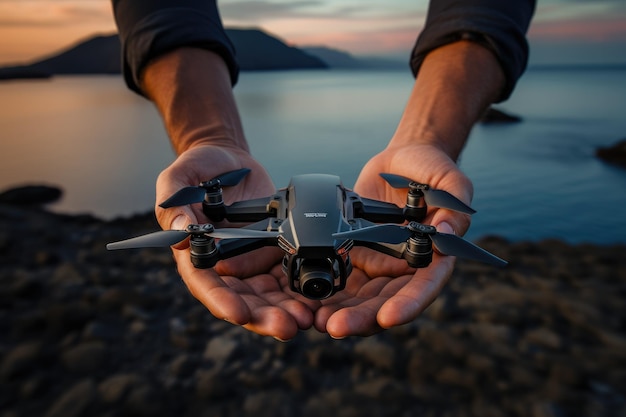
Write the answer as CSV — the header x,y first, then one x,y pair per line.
x,y
256,50
335,58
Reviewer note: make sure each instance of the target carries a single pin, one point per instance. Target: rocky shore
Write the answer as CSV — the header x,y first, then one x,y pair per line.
x,y
86,332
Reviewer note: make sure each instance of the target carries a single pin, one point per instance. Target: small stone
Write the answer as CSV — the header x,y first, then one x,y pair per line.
x,y
74,401
86,357
456,377
20,360
143,400
182,366
544,337
294,378
114,389
376,352
380,388
103,331
220,349
211,385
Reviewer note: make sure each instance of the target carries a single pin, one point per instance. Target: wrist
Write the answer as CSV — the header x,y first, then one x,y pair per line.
x,y
454,86
192,91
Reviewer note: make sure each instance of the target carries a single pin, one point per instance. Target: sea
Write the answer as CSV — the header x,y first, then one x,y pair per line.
x,y
534,180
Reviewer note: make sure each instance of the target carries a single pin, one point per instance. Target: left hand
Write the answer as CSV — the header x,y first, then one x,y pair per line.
x,y
383,291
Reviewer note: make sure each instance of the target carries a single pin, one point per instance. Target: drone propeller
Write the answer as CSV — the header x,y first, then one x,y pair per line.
x,y
165,238
195,194
432,196
447,244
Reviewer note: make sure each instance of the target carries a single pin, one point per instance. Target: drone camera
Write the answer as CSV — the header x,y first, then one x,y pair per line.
x,y
317,278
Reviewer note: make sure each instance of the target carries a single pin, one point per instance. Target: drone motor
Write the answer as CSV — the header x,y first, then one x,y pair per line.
x,y
415,208
213,204
202,249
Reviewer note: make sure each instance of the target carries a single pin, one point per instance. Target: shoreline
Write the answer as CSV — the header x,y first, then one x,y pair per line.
x,y
91,332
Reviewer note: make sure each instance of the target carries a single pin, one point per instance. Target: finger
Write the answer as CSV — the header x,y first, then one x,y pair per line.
x,y
353,310
358,320
249,264
417,294
272,312
446,221
265,290
208,288
176,218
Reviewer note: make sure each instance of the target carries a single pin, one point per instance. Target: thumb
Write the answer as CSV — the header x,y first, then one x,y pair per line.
x,y
174,218
450,222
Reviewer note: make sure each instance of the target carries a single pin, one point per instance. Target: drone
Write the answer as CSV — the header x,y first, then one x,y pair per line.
x,y
315,221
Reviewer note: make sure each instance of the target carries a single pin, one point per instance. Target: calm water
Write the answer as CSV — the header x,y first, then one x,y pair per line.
x,y
532,180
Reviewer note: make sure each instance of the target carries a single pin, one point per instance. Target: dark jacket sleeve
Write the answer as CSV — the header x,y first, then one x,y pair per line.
x,y
499,25
149,28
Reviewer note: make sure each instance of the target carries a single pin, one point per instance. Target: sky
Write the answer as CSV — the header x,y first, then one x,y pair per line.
x,y
563,31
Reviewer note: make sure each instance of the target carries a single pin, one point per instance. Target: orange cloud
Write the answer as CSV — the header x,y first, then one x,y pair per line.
x,y
31,29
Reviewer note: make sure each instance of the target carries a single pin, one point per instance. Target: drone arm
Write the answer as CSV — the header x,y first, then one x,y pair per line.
x,y
395,250
379,211
229,248
205,253
249,211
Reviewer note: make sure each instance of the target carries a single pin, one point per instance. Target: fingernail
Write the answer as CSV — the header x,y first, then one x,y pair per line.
x,y
444,227
280,340
179,223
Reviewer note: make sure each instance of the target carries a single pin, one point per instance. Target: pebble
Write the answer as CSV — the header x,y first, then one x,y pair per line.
x,y
86,357
74,401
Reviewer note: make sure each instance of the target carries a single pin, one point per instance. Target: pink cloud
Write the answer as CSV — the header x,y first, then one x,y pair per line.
x,y
362,42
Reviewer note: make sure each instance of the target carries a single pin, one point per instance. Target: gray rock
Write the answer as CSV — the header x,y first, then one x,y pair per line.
x,y
144,399
86,357
220,349
115,388
75,400
20,360
379,353
615,154
32,195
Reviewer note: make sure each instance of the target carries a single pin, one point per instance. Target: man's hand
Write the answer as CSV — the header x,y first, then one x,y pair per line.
x,y
247,290
383,291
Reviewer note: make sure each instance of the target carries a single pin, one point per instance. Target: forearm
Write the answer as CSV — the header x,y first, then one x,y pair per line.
x,y
454,86
192,91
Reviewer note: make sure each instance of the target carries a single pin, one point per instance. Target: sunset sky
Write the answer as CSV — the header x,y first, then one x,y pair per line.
x,y
572,31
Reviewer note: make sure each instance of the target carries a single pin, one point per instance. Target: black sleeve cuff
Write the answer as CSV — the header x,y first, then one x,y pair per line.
x,y
150,29
500,27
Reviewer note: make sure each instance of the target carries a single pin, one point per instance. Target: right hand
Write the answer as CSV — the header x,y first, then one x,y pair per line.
x,y
249,290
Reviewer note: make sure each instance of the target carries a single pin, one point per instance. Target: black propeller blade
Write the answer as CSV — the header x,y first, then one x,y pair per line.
x,y
160,239
446,244
195,194
232,178
165,238
432,196
184,196
453,245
